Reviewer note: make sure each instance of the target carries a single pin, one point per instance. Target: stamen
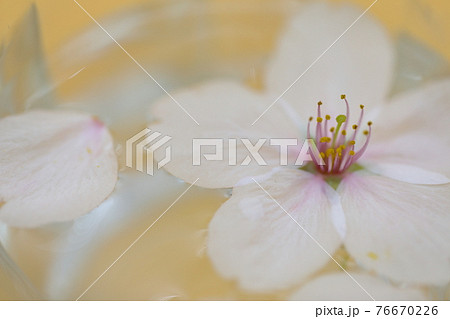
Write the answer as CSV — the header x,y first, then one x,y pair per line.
x,y
347,156
337,151
366,143
308,129
338,158
325,128
361,115
329,152
319,131
347,114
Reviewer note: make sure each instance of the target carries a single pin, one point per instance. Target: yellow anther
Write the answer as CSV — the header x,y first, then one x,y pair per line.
x,y
311,118
342,96
369,123
332,129
319,103
351,153
325,139
344,132
343,146
351,143
361,106
355,126
366,132
319,120
327,117
329,151
322,154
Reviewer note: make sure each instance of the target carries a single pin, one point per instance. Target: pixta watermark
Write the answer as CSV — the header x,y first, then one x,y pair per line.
x,y
234,151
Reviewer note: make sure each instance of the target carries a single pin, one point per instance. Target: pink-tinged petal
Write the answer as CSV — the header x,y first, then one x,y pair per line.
x,y
398,229
359,64
253,241
224,110
339,286
54,166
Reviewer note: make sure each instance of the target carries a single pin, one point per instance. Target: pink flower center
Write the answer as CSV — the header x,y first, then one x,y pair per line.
x,y
335,144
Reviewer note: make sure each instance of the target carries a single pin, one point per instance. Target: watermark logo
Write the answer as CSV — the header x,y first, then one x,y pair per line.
x,y
146,144
212,149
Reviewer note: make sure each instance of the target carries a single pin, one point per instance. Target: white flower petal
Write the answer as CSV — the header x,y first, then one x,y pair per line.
x,y
407,173
412,130
418,157
339,286
425,110
252,240
359,64
398,229
224,110
54,166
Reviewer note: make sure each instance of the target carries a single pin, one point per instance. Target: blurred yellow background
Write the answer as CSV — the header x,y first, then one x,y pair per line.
x,y
426,20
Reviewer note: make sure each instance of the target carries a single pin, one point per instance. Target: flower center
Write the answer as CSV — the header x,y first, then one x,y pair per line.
x,y
335,144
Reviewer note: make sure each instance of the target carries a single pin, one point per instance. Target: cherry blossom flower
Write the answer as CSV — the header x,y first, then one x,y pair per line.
x,y
55,165
384,191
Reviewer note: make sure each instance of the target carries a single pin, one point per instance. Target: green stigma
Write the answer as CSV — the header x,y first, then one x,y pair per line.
x,y
339,119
